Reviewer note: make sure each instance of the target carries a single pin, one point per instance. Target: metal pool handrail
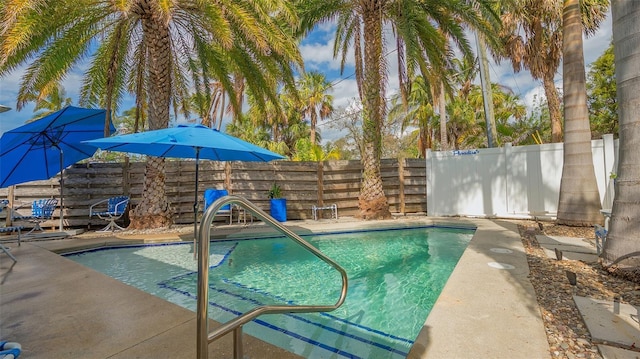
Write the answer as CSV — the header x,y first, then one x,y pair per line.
x,y
235,325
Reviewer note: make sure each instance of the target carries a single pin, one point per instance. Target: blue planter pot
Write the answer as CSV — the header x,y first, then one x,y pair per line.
x,y
278,209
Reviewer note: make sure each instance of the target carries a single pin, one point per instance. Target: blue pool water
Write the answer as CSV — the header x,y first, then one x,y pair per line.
x,y
395,277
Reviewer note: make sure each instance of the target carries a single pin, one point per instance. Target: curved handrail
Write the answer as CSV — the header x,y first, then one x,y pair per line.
x,y
203,277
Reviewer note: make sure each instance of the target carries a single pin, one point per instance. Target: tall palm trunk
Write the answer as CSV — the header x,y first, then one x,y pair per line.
x,y
487,93
153,209
442,103
221,114
238,86
579,197
314,122
372,201
111,78
622,248
553,102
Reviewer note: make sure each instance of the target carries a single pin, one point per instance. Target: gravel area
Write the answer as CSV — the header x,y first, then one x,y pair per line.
x,y
566,332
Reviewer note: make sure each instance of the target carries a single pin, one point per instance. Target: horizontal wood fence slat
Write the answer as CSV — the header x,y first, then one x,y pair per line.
x,y
303,184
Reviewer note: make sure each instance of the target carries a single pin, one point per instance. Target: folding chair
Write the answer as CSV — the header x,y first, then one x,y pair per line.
x,y
41,211
110,209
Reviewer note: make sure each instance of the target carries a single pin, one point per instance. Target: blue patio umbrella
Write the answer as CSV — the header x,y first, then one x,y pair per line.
x,y
187,141
45,147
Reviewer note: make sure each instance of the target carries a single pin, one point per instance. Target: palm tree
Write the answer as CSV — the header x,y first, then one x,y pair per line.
x,y
422,30
49,101
579,202
508,114
418,113
212,106
209,104
622,249
315,100
533,41
154,49
532,37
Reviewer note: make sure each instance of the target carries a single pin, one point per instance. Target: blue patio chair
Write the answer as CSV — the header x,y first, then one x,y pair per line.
x,y
110,209
41,211
211,195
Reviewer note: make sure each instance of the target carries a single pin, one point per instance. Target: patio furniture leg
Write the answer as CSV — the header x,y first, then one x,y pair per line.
x,y
242,215
111,227
6,250
36,228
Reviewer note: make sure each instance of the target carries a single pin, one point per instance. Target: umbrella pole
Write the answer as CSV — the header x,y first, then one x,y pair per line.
x,y
11,196
195,207
61,190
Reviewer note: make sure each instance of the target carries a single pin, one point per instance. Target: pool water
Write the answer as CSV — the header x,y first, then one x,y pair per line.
x,y
395,277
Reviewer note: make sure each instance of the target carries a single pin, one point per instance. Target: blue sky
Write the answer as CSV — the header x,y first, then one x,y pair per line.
x,y
317,50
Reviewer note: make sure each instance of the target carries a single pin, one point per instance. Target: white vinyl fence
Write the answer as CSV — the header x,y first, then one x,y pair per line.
x,y
509,182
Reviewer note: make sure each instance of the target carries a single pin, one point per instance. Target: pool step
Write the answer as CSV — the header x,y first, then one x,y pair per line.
x,y
319,335
312,334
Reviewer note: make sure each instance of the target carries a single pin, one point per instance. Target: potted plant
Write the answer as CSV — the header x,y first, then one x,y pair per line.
x,y
277,205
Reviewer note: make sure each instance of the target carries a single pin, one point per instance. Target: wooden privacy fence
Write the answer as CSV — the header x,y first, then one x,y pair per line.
x,y
303,184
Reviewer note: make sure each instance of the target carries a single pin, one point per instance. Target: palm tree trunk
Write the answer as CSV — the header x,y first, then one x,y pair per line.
x,y
487,93
579,203
314,120
238,86
153,210
111,79
553,102
372,201
222,110
442,103
622,249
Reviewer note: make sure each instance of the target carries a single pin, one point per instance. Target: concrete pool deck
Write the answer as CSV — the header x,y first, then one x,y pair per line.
x,y
56,308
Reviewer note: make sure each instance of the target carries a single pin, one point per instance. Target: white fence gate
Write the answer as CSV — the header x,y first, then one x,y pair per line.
x,y
509,182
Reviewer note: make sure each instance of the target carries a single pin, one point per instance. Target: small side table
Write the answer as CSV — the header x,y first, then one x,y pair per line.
x,y
332,207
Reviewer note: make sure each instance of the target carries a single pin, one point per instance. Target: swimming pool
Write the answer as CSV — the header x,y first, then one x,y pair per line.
x,y
395,277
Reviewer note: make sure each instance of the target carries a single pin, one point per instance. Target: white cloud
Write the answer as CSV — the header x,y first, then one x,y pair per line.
x,y
533,97
319,57
343,92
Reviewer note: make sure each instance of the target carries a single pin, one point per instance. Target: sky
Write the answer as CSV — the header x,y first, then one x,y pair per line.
x,y
317,51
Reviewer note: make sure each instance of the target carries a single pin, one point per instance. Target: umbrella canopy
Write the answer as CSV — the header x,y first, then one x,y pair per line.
x,y
34,151
187,141
43,148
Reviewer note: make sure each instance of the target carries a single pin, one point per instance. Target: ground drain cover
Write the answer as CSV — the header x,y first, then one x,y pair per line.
x,y
500,265
501,250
